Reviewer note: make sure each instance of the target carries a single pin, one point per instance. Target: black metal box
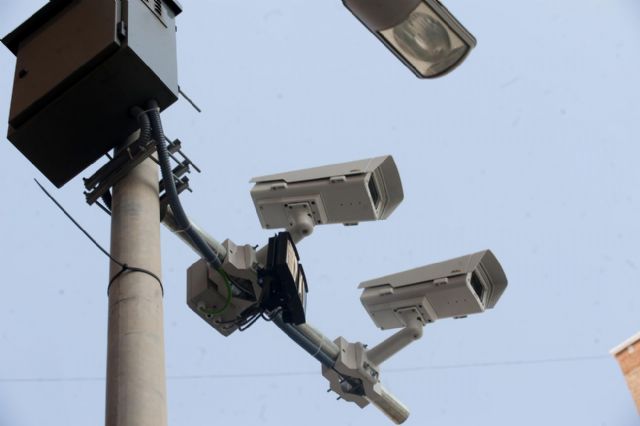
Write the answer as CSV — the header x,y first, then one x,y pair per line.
x,y
81,65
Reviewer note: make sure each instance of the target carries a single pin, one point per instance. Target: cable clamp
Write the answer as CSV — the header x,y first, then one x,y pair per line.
x,y
128,269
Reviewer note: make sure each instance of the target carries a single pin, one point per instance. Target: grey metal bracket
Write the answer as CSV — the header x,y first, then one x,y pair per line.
x,y
126,159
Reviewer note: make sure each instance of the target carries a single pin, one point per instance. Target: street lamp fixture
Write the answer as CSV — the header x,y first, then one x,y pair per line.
x,y
423,34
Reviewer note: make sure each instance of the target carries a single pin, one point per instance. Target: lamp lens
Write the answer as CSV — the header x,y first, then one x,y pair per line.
x,y
427,42
423,37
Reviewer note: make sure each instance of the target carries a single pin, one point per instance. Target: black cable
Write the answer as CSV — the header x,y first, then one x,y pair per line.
x,y
246,322
107,199
235,321
125,268
269,316
78,225
170,186
250,322
103,208
145,124
151,119
193,104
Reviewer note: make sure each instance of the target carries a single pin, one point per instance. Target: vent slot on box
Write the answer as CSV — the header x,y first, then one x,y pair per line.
x,y
155,6
158,7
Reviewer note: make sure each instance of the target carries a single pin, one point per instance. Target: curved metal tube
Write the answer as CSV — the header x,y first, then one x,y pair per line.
x,y
167,175
169,220
311,340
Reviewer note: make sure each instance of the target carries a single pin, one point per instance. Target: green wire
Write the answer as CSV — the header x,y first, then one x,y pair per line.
x,y
227,283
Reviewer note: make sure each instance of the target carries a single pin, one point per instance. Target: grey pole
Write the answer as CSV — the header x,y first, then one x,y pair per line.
x,y
136,383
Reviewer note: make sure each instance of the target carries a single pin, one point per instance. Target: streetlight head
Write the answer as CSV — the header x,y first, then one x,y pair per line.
x,y
423,34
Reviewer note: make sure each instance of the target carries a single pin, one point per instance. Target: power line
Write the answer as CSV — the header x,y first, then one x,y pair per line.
x,y
502,363
222,376
125,268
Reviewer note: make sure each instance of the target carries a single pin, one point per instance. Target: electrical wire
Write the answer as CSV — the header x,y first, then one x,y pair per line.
x,y
125,268
268,316
502,363
76,223
510,363
151,119
193,104
227,301
251,321
243,323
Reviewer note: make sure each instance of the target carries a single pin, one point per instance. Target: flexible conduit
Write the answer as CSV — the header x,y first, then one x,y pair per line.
x,y
181,218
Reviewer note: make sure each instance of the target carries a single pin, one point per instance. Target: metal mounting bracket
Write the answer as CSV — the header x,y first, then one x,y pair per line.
x,y
99,184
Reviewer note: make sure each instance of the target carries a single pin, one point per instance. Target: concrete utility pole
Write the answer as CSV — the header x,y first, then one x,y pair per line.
x,y
136,383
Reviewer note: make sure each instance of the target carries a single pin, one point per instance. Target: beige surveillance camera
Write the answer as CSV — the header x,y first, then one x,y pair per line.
x,y
454,288
345,193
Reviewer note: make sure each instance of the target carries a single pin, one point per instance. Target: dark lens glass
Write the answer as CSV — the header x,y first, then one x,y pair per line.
x,y
477,286
373,190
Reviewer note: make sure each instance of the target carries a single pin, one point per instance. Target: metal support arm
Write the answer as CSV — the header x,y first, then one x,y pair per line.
x,y
400,340
311,340
170,222
347,367
356,381
302,228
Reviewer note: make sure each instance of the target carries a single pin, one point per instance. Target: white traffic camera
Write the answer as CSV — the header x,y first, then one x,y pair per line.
x,y
345,193
454,288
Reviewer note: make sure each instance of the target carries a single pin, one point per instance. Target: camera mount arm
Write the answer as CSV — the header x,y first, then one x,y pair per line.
x,y
300,226
400,340
169,220
352,370
357,379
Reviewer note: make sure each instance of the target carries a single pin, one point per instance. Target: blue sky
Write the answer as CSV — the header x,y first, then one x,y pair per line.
x,y
529,148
